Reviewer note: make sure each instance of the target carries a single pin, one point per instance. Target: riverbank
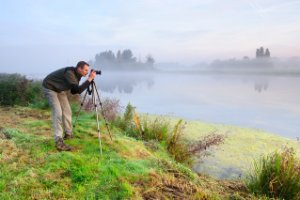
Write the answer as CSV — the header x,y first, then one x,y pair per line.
x,y
235,157
31,168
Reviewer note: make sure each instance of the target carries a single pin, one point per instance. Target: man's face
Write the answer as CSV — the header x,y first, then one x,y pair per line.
x,y
83,71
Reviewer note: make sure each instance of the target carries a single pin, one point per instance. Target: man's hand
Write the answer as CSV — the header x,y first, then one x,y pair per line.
x,y
91,76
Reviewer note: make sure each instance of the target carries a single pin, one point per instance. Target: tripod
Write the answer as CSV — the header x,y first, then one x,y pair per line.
x,y
92,90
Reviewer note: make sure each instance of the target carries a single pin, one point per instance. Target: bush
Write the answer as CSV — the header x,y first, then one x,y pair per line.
x,y
200,148
177,147
16,89
143,129
159,130
276,175
125,122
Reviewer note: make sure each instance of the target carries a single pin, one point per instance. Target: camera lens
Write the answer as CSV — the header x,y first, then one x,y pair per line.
x,y
98,72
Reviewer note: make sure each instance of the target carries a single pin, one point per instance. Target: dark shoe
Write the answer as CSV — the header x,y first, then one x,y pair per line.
x,y
67,136
61,146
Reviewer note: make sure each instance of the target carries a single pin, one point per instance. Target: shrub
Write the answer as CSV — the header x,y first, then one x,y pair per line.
x,y
276,175
177,147
157,129
110,108
200,148
16,89
144,129
160,130
184,151
125,122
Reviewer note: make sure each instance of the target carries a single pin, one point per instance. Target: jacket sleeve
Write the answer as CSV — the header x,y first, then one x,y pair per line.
x,y
73,82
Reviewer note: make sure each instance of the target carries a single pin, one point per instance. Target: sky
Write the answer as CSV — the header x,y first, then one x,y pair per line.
x,y
41,35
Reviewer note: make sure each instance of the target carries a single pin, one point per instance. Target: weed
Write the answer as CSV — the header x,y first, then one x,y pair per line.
x,y
276,175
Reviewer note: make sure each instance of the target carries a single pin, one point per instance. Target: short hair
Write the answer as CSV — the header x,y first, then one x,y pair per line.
x,y
81,64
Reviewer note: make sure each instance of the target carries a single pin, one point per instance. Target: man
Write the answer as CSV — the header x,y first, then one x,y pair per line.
x,y
56,86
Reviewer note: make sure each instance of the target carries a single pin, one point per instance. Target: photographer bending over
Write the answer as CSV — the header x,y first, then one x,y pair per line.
x,y
56,85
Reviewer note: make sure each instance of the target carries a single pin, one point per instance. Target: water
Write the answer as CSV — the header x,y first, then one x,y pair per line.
x,y
270,103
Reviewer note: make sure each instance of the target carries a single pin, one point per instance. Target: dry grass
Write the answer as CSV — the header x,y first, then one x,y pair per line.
x,y
169,186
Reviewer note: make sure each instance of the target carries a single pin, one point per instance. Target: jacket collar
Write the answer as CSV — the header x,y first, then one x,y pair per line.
x,y
76,73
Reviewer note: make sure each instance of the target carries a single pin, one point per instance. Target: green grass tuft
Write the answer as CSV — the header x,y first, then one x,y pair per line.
x,y
276,175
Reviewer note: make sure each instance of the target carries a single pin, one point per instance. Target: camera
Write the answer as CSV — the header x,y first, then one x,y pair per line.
x,y
98,72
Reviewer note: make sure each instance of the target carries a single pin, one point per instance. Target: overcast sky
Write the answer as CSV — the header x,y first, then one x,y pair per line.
x,y
43,35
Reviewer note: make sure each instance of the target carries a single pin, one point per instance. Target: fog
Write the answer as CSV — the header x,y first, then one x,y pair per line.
x,y
266,97
260,93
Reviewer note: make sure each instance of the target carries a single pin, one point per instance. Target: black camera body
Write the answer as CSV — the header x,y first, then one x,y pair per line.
x,y
98,72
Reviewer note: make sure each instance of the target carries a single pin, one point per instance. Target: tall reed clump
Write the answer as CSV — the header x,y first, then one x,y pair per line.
x,y
276,175
124,122
160,130
177,146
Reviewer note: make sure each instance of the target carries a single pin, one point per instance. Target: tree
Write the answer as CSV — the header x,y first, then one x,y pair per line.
x,y
150,60
127,56
257,53
261,52
122,60
119,56
267,54
105,57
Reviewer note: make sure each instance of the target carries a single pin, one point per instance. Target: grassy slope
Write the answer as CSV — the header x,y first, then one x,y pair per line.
x,y
31,168
241,147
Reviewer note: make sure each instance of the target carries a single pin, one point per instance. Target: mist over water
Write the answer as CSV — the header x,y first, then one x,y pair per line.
x,y
266,102
255,93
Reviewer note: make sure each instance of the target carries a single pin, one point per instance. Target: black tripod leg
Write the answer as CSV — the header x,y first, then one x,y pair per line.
x,y
80,108
100,103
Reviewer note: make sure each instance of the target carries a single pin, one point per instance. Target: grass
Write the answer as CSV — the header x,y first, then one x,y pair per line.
x,y
31,168
130,168
276,175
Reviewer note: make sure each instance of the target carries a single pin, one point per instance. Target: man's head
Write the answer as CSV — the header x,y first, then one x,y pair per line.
x,y
82,68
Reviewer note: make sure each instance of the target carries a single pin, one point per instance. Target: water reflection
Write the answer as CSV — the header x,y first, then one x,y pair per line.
x,y
261,86
124,81
244,100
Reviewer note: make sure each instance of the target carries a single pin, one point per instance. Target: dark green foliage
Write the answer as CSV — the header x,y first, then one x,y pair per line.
x,y
125,122
276,175
16,89
142,129
155,130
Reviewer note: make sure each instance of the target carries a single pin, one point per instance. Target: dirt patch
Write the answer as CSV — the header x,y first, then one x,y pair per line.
x,y
30,113
14,115
234,186
169,186
227,188
2,135
175,184
11,117
8,118
13,156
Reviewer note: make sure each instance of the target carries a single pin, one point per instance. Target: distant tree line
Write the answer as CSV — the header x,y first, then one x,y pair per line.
x,y
122,60
246,61
261,53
